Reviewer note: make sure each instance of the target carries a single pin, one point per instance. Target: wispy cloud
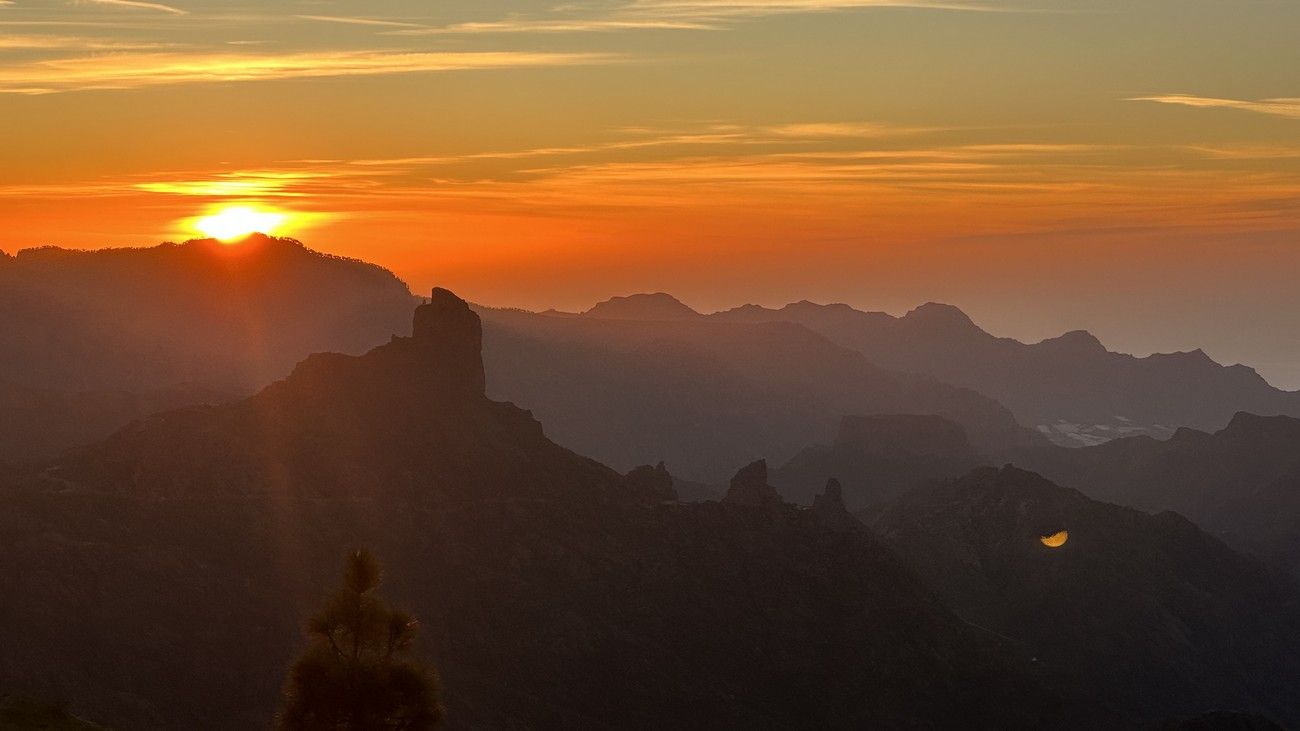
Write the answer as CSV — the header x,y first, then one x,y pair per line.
x,y
359,21
139,5
1282,106
717,9
77,43
677,15
139,70
555,26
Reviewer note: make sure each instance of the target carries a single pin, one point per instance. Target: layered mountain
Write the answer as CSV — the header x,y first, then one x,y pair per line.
x,y
101,337
1069,387
1146,614
158,579
705,395
1241,483
876,458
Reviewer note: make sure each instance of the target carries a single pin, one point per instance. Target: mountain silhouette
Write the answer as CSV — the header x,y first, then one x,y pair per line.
x,y
1069,387
1241,483
103,337
1146,615
657,306
157,578
704,395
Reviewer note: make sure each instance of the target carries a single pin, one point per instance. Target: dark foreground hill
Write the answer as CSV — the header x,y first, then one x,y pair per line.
x,y
1241,483
702,395
159,579
1145,614
1070,387
106,331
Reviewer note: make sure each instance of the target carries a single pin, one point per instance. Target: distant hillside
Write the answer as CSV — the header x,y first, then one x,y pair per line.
x,y
224,316
1070,387
160,578
705,395
1241,482
94,339
876,458
1145,615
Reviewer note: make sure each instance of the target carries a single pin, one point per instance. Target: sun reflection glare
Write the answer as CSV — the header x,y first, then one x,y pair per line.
x,y
1056,540
235,222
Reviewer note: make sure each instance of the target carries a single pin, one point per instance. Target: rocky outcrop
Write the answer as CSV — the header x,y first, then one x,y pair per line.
x,y
829,507
652,484
749,487
452,332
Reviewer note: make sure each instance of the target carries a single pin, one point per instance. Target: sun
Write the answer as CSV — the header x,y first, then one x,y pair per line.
x,y
235,222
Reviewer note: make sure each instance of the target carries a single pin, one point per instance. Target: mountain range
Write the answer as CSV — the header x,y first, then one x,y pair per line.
x,y
1071,388
157,579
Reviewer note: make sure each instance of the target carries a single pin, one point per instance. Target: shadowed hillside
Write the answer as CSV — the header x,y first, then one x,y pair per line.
x,y
1144,614
1241,482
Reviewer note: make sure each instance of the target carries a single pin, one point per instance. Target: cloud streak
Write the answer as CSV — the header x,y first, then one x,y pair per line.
x,y
1281,107
139,5
141,70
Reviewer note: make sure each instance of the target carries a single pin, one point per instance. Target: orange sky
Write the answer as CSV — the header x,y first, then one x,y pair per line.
x,y
1132,168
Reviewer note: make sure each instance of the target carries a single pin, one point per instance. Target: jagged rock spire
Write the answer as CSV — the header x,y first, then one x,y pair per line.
x,y
447,325
749,486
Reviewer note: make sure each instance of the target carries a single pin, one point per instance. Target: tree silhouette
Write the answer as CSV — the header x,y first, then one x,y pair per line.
x,y
357,674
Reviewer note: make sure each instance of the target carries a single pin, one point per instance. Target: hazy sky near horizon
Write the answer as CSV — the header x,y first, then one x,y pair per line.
x,y
1130,167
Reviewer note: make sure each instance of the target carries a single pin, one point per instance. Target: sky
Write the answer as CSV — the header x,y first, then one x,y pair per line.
x,y
1130,167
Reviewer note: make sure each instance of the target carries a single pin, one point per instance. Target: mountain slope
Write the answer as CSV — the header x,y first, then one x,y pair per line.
x,y
704,396
1241,482
222,315
158,579
94,339
1070,387
1144,613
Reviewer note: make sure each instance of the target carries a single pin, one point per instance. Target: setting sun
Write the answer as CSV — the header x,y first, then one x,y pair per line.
x,y
236,222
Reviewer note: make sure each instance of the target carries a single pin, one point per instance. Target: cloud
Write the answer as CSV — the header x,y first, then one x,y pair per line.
x,y
359,21
1282,106
140,70
682,15
79,43
718,9
139,5
555,26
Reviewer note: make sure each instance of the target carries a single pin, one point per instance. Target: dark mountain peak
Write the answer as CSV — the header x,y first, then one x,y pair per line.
x,y
653,484
1248,425
939,316
900,435
1190,358
653,306
830,509
1075,341
447,324
750,487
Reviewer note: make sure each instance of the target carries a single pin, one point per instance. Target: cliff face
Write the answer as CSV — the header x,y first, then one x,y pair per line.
x,y
159,579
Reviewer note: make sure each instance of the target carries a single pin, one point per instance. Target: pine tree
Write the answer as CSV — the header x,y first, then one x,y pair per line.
x,y
357,675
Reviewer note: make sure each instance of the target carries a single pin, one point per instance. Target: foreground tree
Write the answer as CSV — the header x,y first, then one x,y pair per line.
x,y
357,674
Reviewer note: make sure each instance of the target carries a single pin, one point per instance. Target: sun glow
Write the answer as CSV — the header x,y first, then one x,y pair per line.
x,y
235,222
